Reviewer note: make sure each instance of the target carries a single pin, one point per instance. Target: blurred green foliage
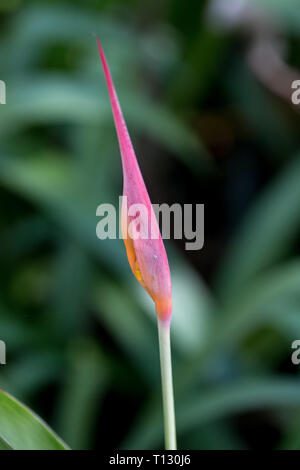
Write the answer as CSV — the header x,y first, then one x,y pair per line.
x,y
80,333
21,429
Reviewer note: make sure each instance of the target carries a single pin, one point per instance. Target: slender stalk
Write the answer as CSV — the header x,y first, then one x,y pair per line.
x,y
167,385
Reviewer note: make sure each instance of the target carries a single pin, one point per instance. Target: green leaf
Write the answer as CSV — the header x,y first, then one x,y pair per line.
x,y
266,234
31,372
268,300
85,383
268,297
251,99
197,410
197,73
21,429
72,270
129,326
51,182
4,445
59,99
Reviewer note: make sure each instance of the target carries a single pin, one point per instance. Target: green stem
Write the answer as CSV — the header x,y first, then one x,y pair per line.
x,y
167,385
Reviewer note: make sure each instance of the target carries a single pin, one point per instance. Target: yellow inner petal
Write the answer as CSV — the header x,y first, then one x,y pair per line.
x,y
137,272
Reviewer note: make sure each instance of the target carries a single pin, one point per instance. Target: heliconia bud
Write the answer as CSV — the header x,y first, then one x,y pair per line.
x,y
146,253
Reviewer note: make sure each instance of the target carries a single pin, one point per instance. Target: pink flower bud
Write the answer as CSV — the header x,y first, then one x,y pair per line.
x,y
146,253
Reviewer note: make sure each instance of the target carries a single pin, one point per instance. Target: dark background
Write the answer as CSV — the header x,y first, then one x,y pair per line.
x,y
206,91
